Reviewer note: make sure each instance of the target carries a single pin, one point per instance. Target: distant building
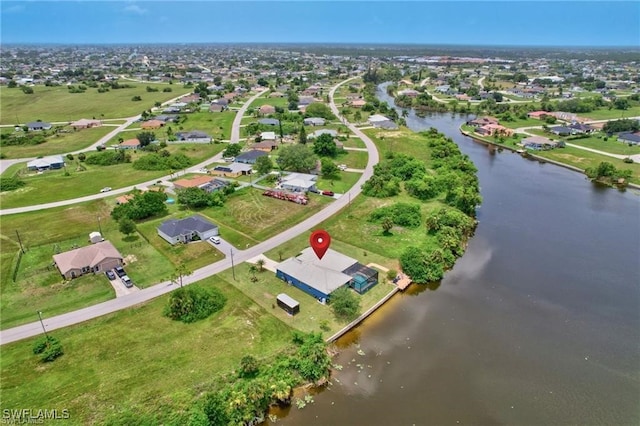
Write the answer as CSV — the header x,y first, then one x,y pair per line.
x,y
185,230
46,163
97,257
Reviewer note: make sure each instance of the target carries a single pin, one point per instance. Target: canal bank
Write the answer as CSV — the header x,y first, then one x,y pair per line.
x,y
538,323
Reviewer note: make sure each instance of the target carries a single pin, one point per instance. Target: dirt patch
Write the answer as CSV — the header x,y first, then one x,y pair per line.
x,y
130,259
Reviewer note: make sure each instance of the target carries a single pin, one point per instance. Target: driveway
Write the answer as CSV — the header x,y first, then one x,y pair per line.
x,y
121,289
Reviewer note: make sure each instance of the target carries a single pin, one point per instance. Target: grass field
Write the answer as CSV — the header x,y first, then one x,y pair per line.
x,y
53,185
609,114
353,159
252,217
276,102
354,142
339,186
58,144
583,159
611,145
137,361
57,104
216,124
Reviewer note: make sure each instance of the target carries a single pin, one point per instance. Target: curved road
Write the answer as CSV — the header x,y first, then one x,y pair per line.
x,y
113,305
235,137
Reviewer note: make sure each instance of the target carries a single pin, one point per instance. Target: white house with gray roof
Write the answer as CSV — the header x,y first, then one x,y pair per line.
x,y
185,230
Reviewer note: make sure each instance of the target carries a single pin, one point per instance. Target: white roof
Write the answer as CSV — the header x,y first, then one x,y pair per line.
x,y
299,183
46,161
314,272
377,118
268,136
295,176
288,300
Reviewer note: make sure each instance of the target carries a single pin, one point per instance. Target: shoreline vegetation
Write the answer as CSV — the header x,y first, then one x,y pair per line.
x,y
424,188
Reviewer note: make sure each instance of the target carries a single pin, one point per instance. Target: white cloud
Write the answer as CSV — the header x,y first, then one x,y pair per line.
x,y
134,8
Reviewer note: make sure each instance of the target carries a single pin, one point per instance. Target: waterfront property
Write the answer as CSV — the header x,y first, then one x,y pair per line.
x,y
538,143
185,230
321,277
382,122
97,257
46,163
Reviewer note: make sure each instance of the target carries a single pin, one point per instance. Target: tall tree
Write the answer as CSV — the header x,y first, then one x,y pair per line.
x,y
263,165
126,226
324,146
179,273
145,138
302,136
297,158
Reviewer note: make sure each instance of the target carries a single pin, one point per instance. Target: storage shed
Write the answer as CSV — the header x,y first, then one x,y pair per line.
x,y
287,303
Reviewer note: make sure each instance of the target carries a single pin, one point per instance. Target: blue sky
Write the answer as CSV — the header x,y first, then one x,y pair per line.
x,y
540,23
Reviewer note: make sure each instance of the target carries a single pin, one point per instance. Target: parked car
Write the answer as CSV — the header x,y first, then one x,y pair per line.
x,y
120,271
329,193
342,167
215,240
106,189
127,281
110,275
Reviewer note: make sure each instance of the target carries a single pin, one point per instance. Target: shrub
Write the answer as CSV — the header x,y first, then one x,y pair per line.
x,y
82,156
108,158
345,304
49,348
70,157
401,214
391,274
162,161
193,303
10,183
136,98
248,366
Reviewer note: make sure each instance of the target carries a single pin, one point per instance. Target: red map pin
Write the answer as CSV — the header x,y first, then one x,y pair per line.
x,y
320,241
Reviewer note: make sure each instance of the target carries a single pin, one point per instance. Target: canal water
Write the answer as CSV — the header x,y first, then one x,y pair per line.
x,y
537,324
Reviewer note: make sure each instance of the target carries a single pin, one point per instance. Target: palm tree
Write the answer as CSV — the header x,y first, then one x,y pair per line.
x,y
260,264
253,271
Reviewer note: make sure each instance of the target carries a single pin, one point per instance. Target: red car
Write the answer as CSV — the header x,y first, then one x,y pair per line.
x,y
329,193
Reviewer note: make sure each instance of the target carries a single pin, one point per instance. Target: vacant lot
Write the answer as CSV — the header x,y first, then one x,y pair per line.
x,y
57,144
252,217
215,124
139,362
57,104
611,145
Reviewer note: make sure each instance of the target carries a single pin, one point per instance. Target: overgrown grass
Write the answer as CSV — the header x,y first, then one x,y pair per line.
x,y
611,145
340,186
58,144
608,114
139,361
57,104
215,124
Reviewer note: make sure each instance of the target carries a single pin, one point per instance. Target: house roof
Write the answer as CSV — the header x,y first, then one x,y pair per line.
x,y
331,132
193,134
295,176
234,168
267,108
631,137
86,256
315,120
83,122
287,300
152,124
251,155
176,227
193,182
38,124
46,161
537,140
131,142
268,135
377,118
269,121
324,275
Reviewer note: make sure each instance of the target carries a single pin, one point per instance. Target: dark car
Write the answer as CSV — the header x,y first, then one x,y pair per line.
x,y
120,271
111,275
329,193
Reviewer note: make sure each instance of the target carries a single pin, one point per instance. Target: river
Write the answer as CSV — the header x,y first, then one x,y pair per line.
x,y
538,323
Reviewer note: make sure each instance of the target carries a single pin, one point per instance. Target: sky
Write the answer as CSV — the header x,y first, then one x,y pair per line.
x,y
502,23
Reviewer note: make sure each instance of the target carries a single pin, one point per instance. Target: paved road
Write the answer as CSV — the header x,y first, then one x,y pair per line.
x,y
75,317
5,164
235,128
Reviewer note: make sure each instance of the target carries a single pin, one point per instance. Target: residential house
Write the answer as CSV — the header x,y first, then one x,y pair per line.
x,y
408,92
130,144
166,118
303,101
276,95
38,125
267,109
222,101
98,257
206,183
269,121
493,129
318,133
232,170
358,103
561,130
538,115
482,121
124,199
185,230
628,137
314,121
268,136
46,163
538,143
321,277
194,136
152,124
250,157
265,146
216,108
299,182
380,121
85,123
581,128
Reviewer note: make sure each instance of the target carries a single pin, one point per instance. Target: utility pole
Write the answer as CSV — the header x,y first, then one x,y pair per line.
x,y
42,323
20,241
233,270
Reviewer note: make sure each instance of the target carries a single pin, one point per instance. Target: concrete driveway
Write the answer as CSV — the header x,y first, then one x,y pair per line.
x,y
120,288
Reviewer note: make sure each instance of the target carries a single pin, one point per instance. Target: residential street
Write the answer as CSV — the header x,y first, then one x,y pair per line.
x,y
75,317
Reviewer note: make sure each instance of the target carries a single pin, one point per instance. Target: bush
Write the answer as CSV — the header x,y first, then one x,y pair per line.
x,y
49,348
193,303
82,156
136,98
108,158
345,304
391,274
402,214
162,161
10,183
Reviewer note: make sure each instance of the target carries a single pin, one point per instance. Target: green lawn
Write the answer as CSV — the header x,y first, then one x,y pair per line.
x,y
353,159
516,123
58,144
57,104
253,217
582,159
138,364
53,185
611,145
354,142
216,124
609,114
339,186
276,102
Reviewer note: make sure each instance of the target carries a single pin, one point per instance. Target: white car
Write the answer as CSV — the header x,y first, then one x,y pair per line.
x,y
215,240
342,167
106,189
